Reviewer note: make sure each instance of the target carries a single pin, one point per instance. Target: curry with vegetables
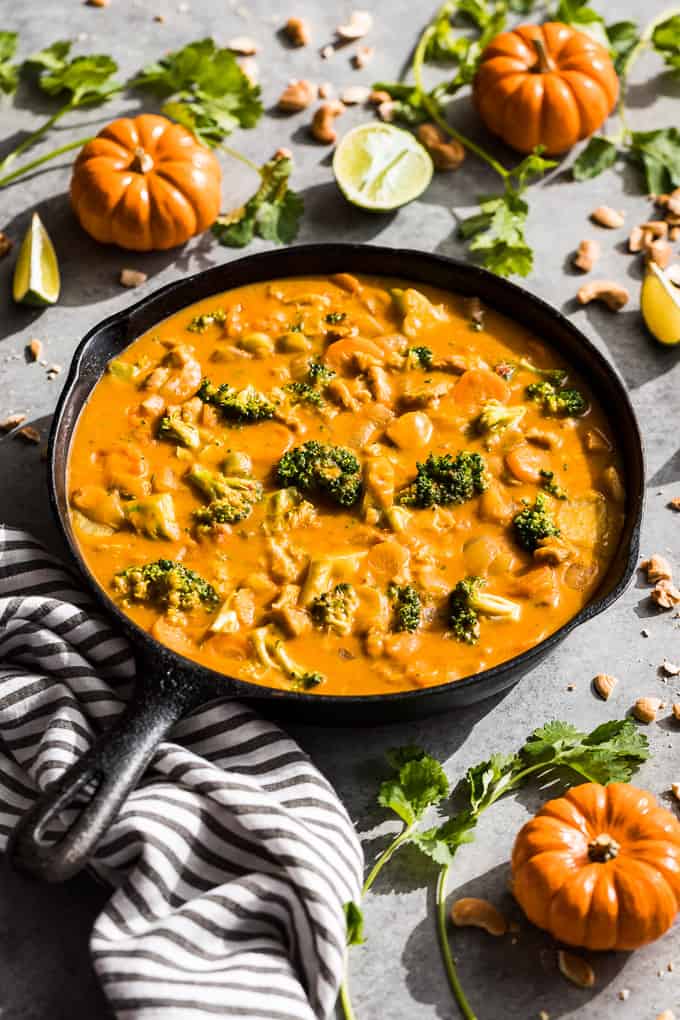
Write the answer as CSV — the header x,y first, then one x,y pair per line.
x,y
346,485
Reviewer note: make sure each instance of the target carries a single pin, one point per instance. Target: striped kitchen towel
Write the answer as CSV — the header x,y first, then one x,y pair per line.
x,y
232,859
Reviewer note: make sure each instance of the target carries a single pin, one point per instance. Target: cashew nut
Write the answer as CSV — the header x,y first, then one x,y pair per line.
x,y
636,240
645,709
675,787
297,31
471,912
658,569
675,708
673,202
660,252
665,595
576,969
613,294
326,90
607,217
657,228
297,96
386,110
360,22
322,123
132,277
243,45
446,153
377,96
355,94
604,684
587,255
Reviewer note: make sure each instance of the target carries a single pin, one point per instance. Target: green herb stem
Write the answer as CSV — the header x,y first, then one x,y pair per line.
x,y
227,149
449,964
35,163
33,138
386,856
434,112
636,52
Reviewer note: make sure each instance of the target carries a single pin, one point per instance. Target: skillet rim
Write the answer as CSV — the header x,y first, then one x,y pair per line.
x,y
495,678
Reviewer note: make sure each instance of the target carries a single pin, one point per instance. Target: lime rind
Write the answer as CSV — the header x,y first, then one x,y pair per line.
x,y
380,167
660,306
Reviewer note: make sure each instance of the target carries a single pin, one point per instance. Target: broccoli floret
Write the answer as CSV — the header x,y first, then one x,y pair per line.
x,y
319,374
556,376
286,509
200,323
534,523
331,471
174,429
550,485
335,609
153,516
467,601
496,416
333,318
557,400
441,480
419,357
303,392
271,652
246,405
167,585
231,498
407,606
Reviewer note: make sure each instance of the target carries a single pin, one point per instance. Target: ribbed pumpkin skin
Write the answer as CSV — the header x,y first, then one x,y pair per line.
x,y
554,108
145,210
622,903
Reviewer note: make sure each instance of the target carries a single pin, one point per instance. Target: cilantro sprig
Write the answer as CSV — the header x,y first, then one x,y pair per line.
x,y
612,752
205,90
9,72
273,212
81,81
656,153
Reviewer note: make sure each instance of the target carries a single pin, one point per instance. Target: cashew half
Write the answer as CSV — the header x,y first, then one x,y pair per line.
x,y
322,123
297,96
446,153
587,255
607,217
613,294
471,912
297,31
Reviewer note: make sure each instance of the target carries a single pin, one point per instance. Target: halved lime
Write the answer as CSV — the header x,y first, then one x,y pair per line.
x,y
380,167
660,305
36,274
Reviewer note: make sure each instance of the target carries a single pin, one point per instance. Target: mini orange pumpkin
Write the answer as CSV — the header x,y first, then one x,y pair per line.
x,y
545,85
600,867
145,184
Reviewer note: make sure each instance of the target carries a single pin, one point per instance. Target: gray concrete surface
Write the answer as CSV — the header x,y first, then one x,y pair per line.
x,y
44,971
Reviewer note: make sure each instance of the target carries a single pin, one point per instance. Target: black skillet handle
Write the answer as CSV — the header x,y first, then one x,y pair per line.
x,y
114,763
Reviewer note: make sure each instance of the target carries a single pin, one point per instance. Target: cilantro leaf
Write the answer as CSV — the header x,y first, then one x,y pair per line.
x,y
88,79
586,19
666,41
355,924
623,37
498,230
598,155
420,783
211,94
9,72
611,753
658,152
273,212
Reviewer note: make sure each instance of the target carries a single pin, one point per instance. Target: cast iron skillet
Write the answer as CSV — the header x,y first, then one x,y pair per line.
x,y
170,685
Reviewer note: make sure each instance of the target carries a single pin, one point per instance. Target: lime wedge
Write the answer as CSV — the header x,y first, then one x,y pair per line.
x,y
380,167
660,305
36,274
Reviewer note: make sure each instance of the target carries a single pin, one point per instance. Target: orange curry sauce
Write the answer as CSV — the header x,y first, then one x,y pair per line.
x,y
391,410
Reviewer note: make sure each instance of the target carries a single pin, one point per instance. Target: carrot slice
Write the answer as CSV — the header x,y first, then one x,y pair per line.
x,y
478,385
353,355
525,463
387,561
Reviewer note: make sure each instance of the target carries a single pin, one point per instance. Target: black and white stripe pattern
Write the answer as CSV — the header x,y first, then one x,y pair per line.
x,y
232,859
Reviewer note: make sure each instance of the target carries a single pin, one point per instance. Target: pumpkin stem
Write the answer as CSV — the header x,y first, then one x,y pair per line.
x,y
544,64
142,163
603,848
